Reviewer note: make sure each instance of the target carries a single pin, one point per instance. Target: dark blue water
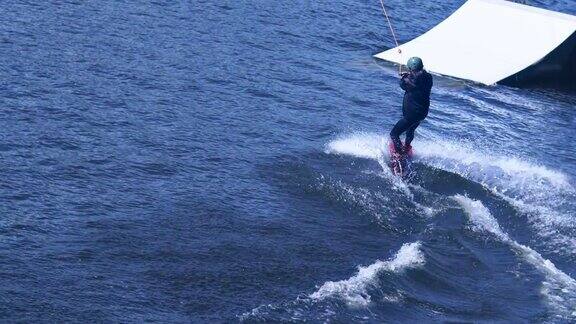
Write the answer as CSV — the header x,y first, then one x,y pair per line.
x,y
225,161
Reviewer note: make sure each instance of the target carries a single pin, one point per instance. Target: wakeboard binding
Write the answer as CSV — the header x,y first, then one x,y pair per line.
x,y
400,161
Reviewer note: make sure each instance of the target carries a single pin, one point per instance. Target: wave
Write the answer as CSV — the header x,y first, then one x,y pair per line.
x,y
534,190
544,195
364,145
463,157
549,224
369,146
468,159
558,289
354,291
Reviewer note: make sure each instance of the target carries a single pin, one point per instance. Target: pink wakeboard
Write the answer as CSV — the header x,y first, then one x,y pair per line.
x,y
399,162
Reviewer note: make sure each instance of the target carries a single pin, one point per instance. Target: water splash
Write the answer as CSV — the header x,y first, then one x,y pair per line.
x,y
355,289
369,146
542,194
364,145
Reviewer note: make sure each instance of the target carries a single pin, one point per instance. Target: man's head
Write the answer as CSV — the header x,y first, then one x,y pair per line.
x,y
415,64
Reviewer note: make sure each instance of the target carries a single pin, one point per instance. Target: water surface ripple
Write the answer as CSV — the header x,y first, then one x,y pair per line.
x,y
224,161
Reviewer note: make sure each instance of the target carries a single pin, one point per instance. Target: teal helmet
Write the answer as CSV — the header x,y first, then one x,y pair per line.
x,y
415,64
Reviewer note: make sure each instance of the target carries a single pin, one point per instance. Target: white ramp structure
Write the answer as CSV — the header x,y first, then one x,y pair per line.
x,y
490,41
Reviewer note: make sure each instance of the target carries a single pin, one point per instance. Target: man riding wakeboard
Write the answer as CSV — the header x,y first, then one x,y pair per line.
x,y
417,84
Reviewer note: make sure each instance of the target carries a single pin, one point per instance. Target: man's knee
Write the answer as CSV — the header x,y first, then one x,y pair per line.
x,y
398,129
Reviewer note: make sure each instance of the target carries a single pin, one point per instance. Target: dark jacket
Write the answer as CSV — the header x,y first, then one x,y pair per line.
x,y
417,96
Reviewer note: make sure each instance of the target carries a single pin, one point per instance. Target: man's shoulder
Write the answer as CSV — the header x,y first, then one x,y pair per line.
x,y
427,77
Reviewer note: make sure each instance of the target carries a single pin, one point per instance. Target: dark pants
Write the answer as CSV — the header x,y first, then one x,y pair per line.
x,y
404,125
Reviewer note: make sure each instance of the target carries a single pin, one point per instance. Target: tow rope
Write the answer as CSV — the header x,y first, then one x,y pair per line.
x,y
392,31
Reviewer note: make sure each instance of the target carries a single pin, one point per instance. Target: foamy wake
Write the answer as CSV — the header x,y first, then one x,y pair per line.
x,y
559,289
369,146
462,157
364,145
534,190
469,159
465,159
355,289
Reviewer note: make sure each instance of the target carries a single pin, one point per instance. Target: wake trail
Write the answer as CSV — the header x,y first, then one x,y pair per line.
x,y
354,291
558,289
369,146
545,196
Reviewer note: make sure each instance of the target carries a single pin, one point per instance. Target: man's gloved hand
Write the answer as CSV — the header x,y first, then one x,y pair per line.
x,y
404,74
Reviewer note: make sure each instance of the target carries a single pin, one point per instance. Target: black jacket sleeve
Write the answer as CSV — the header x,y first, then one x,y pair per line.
x,y
407,82
419,81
